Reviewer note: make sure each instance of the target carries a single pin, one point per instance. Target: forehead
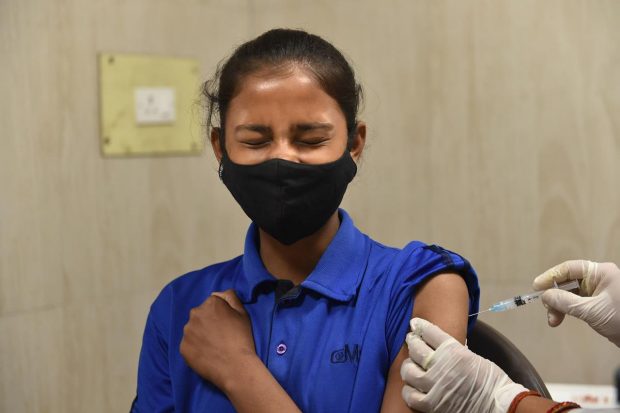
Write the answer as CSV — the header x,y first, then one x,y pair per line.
x,y
271,75
294,92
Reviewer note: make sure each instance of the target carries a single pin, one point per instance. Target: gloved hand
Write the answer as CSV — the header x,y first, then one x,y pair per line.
x,y
599,305
438,362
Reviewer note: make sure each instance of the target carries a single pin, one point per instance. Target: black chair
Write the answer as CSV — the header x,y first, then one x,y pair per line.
x,y
489,343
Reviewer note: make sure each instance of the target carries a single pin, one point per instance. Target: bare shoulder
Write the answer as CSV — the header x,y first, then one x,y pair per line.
x,y
443,300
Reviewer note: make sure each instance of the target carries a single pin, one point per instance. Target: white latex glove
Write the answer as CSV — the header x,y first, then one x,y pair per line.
x,y
599,305
442,375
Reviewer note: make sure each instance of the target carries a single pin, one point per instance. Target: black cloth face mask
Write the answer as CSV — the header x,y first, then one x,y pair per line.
x,y
288,200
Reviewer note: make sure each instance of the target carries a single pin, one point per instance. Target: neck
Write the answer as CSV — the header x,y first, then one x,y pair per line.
x,y
296,261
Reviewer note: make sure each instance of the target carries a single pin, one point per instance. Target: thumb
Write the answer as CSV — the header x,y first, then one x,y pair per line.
x,y
231,299
560,301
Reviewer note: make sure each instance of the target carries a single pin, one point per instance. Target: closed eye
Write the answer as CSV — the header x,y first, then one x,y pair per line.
x,y
253,135
318,141
313,134
256,143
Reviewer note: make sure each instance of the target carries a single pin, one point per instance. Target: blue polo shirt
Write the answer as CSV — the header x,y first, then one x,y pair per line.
x,y
329,342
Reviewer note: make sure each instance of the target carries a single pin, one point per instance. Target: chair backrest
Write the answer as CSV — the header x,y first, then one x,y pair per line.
x,y
489,343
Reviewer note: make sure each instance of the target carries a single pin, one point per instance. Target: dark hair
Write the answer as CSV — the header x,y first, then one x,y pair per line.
x,y
277,50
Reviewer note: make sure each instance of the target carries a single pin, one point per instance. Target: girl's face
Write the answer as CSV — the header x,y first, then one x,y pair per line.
x,y
286,116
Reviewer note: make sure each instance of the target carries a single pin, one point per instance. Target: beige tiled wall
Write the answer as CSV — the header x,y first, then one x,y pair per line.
x,y
494,131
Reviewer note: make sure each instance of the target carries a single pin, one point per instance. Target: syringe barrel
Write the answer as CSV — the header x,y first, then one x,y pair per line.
x,y
519,300
528,298
504,305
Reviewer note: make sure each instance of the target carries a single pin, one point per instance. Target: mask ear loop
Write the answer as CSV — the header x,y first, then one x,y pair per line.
x,y
220,170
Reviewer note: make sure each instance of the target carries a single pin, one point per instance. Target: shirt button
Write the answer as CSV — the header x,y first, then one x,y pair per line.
x,y
281,349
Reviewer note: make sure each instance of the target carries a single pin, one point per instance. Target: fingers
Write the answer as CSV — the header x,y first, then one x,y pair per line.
x,y
563,302
419,351
554,317
415,376
604,275
566,271
410,372
429,332
414,399
418,325
231,298
559,300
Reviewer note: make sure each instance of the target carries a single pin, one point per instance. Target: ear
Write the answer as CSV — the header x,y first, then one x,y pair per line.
x,y
216,143
357,146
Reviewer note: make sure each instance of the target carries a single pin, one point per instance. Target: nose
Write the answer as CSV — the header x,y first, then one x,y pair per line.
x,y
283,149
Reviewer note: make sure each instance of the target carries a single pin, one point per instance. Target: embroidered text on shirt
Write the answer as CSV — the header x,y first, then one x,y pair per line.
x,y
344,355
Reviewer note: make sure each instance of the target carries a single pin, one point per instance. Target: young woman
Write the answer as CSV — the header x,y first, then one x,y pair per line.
x,y
313,316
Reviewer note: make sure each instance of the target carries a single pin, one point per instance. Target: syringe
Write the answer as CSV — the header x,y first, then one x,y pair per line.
x,y
519,300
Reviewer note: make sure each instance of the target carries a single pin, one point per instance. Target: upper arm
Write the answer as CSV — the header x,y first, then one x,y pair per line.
x,y
443,300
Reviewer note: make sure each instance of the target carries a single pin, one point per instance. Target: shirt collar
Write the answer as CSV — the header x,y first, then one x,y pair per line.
x,y
337,275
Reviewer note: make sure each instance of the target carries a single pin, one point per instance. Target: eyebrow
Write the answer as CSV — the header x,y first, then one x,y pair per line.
x,y
302,127
254,128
